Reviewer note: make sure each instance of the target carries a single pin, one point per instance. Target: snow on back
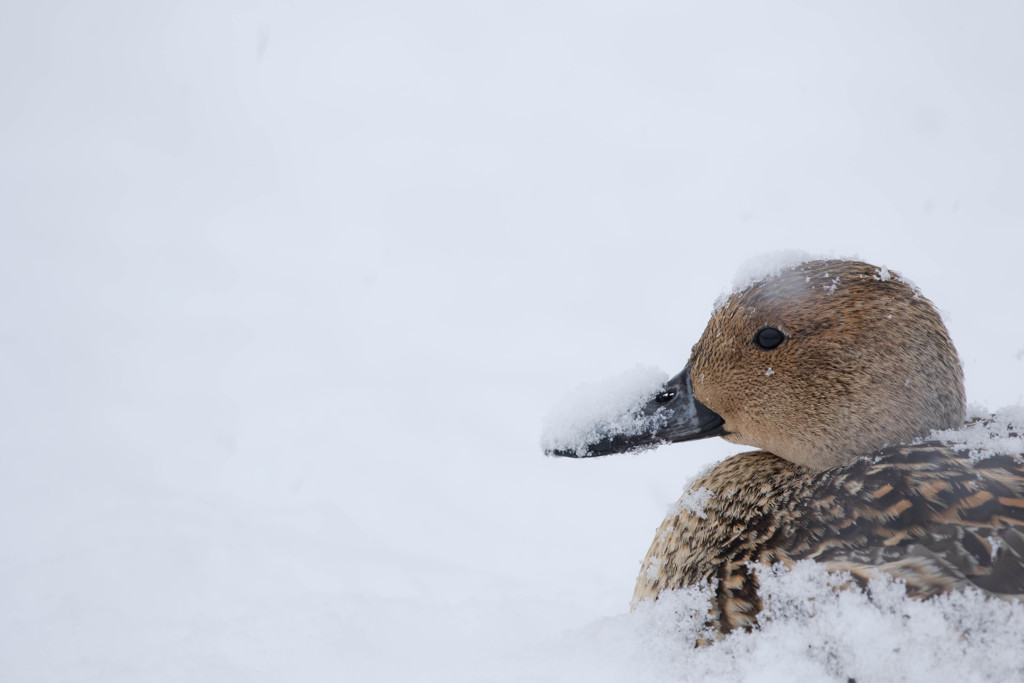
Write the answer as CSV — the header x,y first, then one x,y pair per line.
x,y
983,437
694,497
763,267
693,501
607,408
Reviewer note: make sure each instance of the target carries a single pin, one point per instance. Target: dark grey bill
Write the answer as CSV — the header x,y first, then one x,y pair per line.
x,y
675,415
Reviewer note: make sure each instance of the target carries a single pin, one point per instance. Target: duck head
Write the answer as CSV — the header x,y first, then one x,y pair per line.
x,y
818,364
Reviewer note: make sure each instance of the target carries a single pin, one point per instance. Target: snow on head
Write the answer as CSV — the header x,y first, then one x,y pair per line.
x,y
763,267
771,264
607,408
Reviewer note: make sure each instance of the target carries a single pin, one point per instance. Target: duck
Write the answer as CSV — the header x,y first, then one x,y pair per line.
x,y
839,373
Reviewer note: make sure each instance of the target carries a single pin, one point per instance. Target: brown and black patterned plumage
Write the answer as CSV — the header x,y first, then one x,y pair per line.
x,y
924,513
854,366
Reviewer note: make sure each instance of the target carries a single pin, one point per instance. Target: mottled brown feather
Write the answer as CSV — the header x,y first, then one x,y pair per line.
x,y
923,513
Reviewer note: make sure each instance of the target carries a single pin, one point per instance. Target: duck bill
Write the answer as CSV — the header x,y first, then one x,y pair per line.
x,y
673,415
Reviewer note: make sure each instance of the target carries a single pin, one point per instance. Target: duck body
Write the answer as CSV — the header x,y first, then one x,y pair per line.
x,y
839,372
925,514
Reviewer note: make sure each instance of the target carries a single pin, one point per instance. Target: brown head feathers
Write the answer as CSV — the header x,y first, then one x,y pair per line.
x,y
863,361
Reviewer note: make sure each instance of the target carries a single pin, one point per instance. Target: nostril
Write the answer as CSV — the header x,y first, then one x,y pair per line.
x,y
665,396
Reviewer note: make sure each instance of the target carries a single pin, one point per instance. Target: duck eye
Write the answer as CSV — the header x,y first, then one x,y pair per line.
x,y
768,338
665,396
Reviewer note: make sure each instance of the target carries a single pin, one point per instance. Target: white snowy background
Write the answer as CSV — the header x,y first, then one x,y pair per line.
x,y
287,289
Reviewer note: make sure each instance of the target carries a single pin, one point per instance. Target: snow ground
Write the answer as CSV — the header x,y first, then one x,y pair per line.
x,y
287,290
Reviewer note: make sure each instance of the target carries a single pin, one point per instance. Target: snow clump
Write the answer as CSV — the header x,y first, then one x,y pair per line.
x,y
608,408
984,437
